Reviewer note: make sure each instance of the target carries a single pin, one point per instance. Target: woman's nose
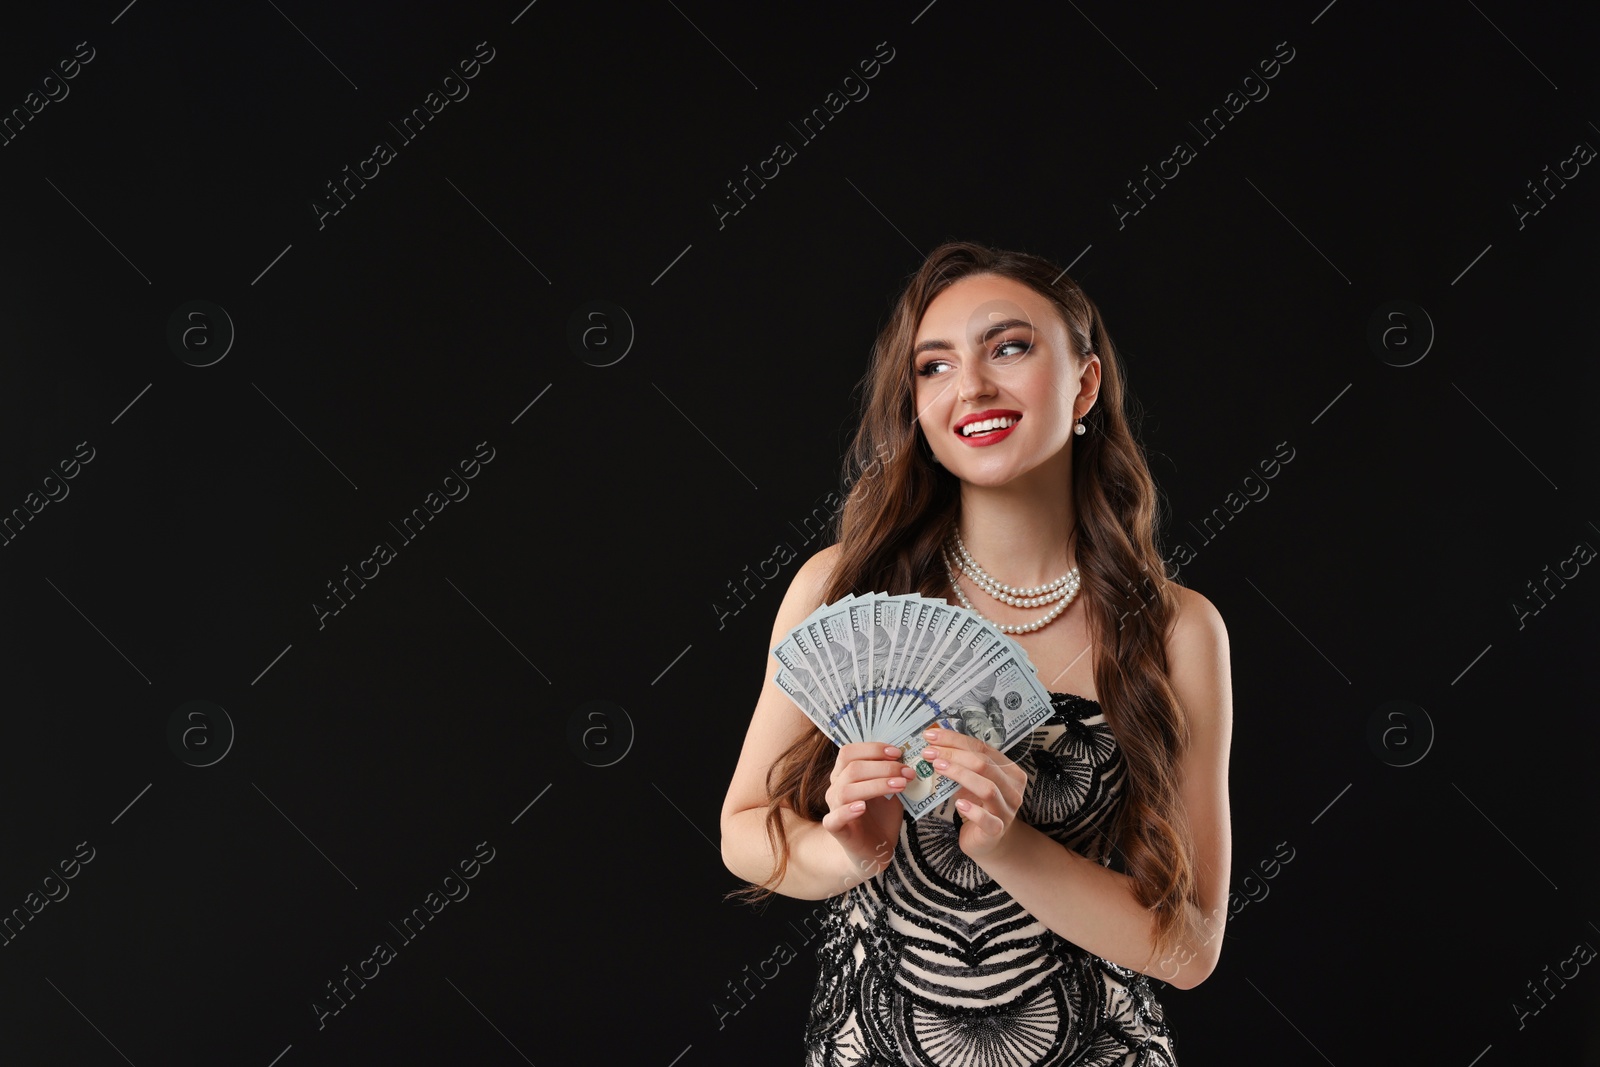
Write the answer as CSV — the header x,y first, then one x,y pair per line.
x,y
974,382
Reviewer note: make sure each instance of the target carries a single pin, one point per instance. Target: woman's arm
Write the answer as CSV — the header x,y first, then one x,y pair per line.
x,y
1093,906
819,867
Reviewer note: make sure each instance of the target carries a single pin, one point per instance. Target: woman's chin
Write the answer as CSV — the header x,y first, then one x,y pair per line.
x,y
986,475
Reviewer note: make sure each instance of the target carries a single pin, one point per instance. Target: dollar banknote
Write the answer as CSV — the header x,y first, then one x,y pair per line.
x,y
885,667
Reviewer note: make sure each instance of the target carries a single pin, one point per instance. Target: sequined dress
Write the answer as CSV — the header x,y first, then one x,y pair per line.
x,y
932,964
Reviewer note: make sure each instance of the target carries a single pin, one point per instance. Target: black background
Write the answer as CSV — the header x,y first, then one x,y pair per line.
x,y
377,349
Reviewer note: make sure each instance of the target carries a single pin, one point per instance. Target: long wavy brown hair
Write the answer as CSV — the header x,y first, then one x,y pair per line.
x,y
900,507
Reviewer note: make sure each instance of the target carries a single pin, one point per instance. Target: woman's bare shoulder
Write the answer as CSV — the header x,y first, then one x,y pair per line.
x,y
807,590
1195,612
814,573
1197,655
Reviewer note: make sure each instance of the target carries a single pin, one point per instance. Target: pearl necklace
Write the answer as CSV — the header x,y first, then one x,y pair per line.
x,y
1064,589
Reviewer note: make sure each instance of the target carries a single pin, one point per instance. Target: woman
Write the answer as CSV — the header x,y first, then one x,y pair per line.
x,y
1022,921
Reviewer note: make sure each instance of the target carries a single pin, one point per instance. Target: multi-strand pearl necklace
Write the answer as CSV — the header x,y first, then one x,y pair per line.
x,y
1063,589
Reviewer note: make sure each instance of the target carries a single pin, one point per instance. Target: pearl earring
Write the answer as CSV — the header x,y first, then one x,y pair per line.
x,y
1079,428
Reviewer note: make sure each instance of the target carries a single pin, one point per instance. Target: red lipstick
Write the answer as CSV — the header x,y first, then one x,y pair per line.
x,y
989,437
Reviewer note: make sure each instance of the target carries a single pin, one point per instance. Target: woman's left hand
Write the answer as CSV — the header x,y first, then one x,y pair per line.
x,y
991,787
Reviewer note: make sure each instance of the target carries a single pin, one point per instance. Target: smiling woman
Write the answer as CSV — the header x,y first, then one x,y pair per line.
x,y
1032,917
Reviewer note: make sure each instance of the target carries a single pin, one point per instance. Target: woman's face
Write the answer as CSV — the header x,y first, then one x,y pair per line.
x,y
990,346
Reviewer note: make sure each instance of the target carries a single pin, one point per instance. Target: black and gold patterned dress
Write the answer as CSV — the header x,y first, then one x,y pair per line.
x,y
932,964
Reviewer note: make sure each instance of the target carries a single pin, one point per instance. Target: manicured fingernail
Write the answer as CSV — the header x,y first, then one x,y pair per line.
x,y
931,735
891,751
941,765
896,783
930,752
860,805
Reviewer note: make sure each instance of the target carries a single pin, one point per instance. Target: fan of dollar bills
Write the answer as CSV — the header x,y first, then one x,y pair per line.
x,y
886,668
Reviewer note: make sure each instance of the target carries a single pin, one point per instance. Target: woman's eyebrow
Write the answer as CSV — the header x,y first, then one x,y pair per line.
x,y
946,346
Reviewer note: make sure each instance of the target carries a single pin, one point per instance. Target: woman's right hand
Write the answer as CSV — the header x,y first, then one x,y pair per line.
x,y
864,809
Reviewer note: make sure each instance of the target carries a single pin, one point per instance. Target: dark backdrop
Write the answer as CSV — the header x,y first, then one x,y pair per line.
x,y
602,398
